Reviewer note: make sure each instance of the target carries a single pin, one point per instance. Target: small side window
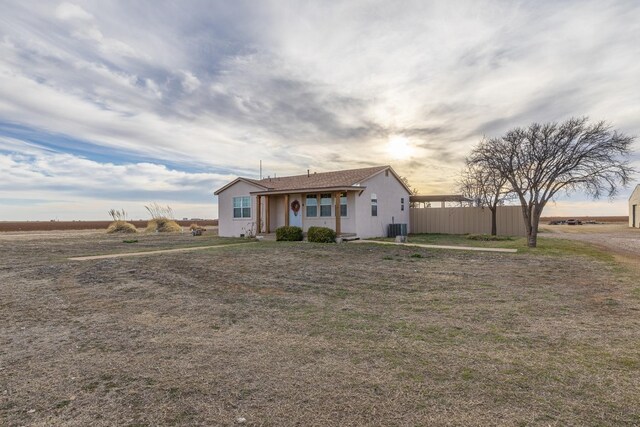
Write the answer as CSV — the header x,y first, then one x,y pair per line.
x,y
374,204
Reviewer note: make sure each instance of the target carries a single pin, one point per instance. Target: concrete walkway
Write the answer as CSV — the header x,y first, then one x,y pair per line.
x,y
456,248
161,251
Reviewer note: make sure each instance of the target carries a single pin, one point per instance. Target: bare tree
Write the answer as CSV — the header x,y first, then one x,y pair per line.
x,y
486,188
543,159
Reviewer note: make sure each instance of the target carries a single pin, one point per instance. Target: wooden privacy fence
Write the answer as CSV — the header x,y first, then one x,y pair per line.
x,y
467,220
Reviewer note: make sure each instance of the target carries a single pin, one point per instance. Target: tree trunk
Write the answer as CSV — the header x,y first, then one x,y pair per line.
x,y
532,237
494,221
527,217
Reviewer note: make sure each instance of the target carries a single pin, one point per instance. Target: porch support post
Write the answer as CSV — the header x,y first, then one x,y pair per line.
x,y
267,214
286,210
258,214
337,213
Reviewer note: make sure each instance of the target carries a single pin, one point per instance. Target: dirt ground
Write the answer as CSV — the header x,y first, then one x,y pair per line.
x,y
618,238
587,218
312,335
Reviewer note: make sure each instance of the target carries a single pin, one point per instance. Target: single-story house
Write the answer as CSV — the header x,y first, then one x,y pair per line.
x,y
361,202
634,208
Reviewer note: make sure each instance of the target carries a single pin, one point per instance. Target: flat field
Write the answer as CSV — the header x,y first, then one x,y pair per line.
x,y
82,225
310,334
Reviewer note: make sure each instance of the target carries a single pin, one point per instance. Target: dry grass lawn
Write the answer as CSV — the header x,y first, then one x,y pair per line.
x,y
310,334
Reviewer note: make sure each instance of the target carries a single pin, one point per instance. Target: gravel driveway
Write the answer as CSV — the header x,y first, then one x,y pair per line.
x,y
617,237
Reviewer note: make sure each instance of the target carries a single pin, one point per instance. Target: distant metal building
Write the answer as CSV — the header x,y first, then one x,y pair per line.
x,y
443,199
634,208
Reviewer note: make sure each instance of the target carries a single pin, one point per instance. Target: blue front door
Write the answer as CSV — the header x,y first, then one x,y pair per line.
x,y
295,217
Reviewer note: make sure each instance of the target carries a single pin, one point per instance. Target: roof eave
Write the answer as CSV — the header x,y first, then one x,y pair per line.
x,y
248,181
309,190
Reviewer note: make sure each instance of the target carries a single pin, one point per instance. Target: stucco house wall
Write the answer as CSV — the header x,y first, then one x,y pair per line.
x,y
228,226
276,212
389,192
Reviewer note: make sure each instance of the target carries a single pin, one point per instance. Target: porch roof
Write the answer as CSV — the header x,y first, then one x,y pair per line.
x,y
440,198
308,190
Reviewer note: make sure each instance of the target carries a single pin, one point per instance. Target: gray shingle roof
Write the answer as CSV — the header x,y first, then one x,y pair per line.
x,y
344,178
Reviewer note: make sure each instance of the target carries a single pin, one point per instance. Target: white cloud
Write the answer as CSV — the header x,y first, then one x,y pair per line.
x,y
84,27
314,85
190,82
44,179
69,11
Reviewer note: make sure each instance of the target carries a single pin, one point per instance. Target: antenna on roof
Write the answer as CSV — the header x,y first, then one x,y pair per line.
x,y
260,169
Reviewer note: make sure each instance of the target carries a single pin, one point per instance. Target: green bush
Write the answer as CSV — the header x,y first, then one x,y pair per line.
x,y
289,233
321,235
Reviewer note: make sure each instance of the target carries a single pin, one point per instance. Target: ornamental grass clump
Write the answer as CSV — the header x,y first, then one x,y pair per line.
x,y
161,219
321,235
289,233
120,224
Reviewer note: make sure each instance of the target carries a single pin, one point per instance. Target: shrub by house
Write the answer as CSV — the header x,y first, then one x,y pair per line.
x,y
321,235
289,234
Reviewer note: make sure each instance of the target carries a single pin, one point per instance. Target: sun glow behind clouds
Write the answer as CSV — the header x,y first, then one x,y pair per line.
x,y
237,82
399,147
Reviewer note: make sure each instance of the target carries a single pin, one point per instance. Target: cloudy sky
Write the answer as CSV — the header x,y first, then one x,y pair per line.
x,y
118,104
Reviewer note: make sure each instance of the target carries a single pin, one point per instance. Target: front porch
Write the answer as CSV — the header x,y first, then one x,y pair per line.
x,y
334,209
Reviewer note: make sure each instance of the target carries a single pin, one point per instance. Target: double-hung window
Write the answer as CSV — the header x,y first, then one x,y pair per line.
x,y
343,204
325,205
312,205
242,207
374,204
401,203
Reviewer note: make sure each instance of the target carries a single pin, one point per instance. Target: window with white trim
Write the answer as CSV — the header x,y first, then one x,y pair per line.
x,y
242,207
401,203
325,204
343,204
312,205
374,204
